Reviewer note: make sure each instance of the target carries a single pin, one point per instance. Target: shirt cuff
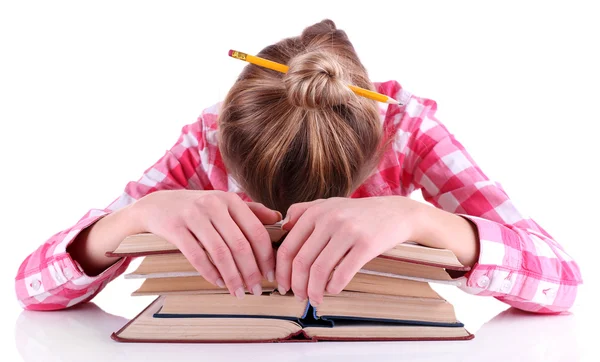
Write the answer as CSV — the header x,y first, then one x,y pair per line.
x,y
67,270
500,258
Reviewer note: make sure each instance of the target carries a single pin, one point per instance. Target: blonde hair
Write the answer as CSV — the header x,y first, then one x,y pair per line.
x,y
303,135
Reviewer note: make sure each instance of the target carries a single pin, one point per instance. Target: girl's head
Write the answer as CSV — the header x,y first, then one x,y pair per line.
x,y
303,135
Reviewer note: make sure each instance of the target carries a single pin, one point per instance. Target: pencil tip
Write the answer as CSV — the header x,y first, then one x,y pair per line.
x,y
392,101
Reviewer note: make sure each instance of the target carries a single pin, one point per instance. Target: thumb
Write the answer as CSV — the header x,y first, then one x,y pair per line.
x,y
264,214
295,212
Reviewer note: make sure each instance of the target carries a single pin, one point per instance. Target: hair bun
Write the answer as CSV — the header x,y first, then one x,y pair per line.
x,y
316,80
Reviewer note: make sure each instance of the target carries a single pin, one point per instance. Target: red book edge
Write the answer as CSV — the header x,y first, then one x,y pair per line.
x,y
299,336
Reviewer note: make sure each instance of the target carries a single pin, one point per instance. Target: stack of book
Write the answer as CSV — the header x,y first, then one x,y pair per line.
x,y
389,299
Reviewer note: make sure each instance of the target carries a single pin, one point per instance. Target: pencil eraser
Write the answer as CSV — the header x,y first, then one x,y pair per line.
x,y
230,52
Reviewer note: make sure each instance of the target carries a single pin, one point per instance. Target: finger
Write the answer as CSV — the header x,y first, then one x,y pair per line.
x,y
220,255
303,265
240,249
189,247
324,265
347,268
256,234
287,251
264,214
296,211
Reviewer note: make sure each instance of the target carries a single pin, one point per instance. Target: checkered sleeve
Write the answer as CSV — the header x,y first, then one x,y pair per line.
x,y
519,263
49,279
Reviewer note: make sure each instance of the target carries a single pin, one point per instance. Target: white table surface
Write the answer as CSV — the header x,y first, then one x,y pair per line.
x,y
501,334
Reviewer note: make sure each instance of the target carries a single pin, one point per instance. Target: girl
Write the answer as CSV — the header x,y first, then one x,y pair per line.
x,y
339,166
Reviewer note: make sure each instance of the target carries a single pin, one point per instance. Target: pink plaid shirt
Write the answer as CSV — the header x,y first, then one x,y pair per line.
x,y
519,263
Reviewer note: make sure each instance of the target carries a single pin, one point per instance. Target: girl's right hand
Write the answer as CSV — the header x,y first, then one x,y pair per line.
x,y
222,236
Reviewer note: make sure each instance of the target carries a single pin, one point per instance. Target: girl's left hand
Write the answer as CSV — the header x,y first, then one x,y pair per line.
x,y
339,236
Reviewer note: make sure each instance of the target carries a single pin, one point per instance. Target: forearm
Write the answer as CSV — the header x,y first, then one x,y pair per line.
x,y
90,246
441,229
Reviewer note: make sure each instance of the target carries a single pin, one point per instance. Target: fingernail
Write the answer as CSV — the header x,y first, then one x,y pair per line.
x,y
271,276
281,289
257,289
313,303
300,299
280,216
285,221
239,293
220,283
328,289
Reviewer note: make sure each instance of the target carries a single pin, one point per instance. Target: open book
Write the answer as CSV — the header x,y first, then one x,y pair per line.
x,y
365,283
408,261
272,317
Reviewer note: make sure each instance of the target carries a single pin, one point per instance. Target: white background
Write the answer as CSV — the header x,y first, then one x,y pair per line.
x,y
91,94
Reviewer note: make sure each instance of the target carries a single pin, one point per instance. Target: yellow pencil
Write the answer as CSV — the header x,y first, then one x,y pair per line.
x,y
284,68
